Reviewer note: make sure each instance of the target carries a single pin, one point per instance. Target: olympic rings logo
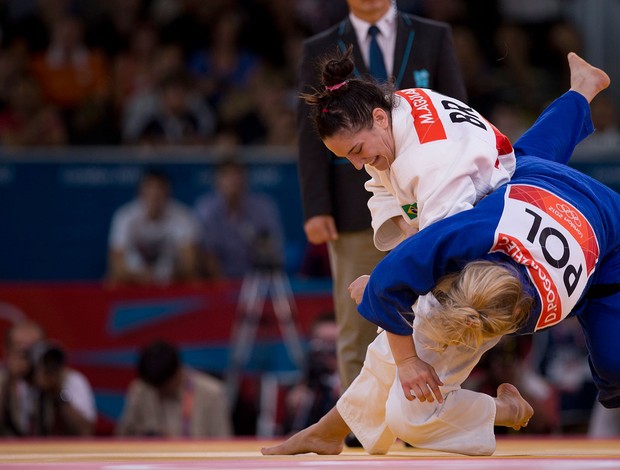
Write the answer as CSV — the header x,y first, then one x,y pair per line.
x,y
569,213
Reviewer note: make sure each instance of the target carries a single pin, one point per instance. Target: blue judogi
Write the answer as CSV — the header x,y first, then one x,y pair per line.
x,y
557,225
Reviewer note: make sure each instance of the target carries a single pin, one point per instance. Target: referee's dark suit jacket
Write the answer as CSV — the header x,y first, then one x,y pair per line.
x,y
424,57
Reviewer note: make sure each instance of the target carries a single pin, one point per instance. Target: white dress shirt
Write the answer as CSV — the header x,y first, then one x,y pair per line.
x,y
386,39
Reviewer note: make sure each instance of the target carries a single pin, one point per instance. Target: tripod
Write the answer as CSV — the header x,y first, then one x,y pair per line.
x,y
256,287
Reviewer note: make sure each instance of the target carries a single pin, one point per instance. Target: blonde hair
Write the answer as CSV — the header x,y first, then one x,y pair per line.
x,y
482,301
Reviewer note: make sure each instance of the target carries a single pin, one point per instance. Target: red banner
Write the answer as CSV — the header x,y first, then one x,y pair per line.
x,y
103,328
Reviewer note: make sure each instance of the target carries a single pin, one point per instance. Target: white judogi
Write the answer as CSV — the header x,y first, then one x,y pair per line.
x,y
377,412
447,158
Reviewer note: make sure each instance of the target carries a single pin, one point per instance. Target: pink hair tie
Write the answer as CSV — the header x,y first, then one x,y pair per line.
x,y
336,86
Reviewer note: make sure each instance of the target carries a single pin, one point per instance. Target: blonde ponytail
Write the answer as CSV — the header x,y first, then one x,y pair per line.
x,y
484,300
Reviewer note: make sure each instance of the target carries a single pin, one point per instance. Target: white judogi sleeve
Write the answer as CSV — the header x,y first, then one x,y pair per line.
x,y
383,207
377,412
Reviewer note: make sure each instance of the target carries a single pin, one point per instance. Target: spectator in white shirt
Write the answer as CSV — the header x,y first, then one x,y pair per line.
x,y
152,238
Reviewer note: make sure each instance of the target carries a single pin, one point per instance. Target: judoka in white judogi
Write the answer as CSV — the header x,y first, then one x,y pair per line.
x,y
376,410
447,157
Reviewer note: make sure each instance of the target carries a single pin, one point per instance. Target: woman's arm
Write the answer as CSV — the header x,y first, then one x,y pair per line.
x,y
418,379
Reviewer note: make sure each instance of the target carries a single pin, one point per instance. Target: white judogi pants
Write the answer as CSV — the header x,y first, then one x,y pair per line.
x,y
377,412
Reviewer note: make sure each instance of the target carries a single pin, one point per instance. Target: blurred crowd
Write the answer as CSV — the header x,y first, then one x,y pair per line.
x,y
182,72
224,73
147,72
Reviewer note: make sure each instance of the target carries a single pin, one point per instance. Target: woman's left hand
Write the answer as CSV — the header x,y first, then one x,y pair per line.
x,y
419,380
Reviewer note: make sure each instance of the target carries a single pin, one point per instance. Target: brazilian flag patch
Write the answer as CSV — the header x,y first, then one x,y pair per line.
x,y
411,210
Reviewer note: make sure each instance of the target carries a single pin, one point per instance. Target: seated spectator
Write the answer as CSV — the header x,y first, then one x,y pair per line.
x,y
27,121
272,121
179,118
319,390
112,23
479,75
152,238
168,399
143,102
14,63
224,66
39,394
239,230
133,66
74,78
17,394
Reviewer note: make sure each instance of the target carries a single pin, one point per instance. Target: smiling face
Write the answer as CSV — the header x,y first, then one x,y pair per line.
x,y
374,146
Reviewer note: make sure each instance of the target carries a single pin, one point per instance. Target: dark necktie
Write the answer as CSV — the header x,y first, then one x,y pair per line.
x,y
377,65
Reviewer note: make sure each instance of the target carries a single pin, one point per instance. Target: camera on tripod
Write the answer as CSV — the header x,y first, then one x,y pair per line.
x,y
267,280
266,255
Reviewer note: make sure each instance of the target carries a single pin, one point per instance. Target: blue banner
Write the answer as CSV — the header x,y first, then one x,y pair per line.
x,y
55,215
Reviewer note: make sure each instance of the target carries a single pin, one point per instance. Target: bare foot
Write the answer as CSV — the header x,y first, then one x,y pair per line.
x,y
512,409
586,79
307,440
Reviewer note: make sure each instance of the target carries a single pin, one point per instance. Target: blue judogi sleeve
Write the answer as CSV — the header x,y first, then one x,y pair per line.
x,y
559,128
414,267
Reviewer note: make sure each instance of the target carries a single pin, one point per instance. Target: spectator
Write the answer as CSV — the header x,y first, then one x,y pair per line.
x,y
152,238
32,21
308,401
275,111
180,117
143,103
268,118
66,399
224,67
17,393
75,78
112,23
240,230
40,394
187,23
478,73
316,15
14,63
133,66
28,121
169,399
532,39
248,98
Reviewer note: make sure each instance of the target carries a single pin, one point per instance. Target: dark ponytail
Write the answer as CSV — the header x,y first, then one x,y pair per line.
x,y
344,102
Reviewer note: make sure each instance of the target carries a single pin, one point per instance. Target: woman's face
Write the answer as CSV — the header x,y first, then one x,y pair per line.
x,y
374,147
